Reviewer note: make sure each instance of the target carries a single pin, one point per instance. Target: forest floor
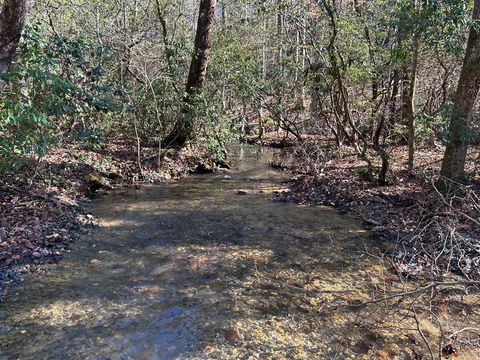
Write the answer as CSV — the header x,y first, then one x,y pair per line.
x,y
41,214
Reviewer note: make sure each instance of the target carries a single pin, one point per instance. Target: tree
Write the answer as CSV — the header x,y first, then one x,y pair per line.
x,y
453,164
409,87
12,20
182,130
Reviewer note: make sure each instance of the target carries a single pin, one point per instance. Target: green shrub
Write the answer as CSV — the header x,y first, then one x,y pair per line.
x,y
52,86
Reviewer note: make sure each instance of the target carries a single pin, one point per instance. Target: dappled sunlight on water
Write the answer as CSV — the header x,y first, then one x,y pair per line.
x,y
173,266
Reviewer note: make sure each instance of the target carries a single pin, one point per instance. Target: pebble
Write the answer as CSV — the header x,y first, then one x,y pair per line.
x,y
95,262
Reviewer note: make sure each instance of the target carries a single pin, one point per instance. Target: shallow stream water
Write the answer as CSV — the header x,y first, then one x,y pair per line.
x,y
172,267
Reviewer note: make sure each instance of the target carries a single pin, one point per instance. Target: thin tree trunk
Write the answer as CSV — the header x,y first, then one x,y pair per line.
x,y
183,128
280,20
408,102
224,14
300,54
453,164
12,21
224,72
409,74
393,99
411,106
262,11
264,40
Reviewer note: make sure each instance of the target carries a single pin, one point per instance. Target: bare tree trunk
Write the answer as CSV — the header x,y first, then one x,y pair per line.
x,y
408,101
262,11
393,99
300,55
224,14
411,105
12,20
182,131
453,164
304,52
280,24
409,78
264,40
224,72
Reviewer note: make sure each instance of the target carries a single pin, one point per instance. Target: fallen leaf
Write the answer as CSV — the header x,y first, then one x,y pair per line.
x,y
75,317
232,335
382,355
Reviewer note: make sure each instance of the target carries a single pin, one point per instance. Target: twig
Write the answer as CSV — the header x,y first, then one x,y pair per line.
x,y
416,291
419,329
471,329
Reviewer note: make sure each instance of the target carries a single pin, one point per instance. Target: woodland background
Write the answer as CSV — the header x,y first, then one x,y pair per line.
x,y
367,74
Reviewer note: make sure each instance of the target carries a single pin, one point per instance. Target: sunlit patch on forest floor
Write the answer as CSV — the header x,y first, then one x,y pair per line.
x,y
211,268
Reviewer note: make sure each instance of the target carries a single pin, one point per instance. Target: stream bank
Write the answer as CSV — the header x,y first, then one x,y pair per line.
x,y
46,206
